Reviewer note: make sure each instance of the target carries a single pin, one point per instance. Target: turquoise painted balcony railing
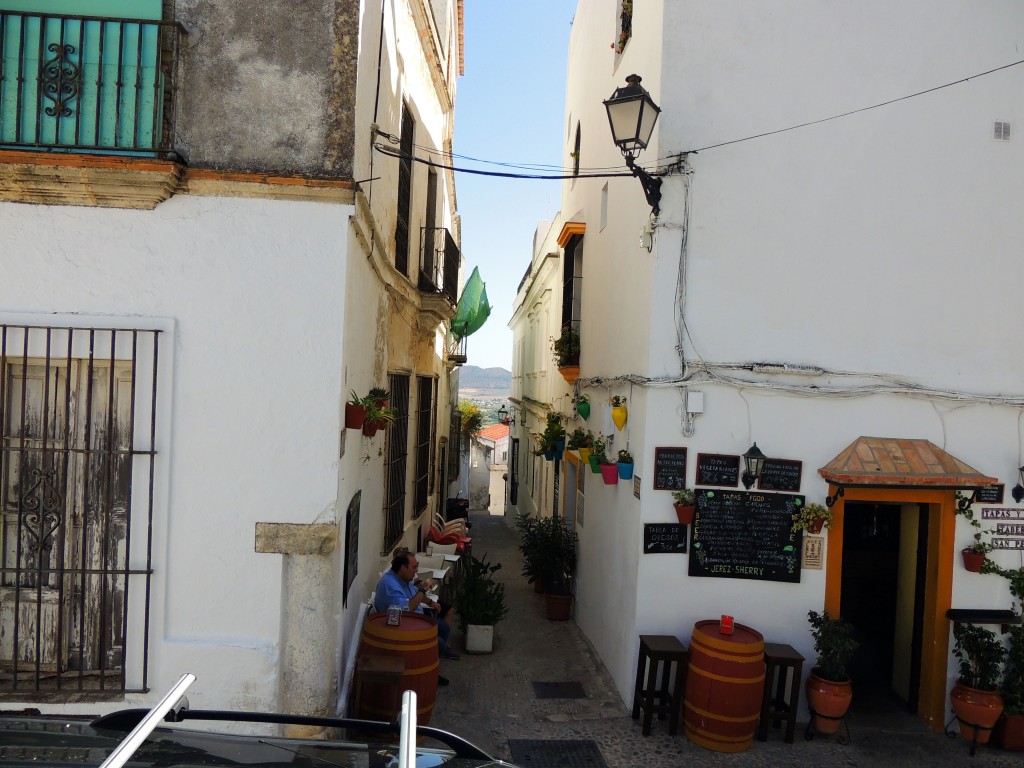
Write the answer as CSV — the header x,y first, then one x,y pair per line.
x,y
86,84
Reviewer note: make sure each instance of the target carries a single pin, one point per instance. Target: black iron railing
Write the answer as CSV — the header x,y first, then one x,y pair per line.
x,y
396,460
82,83
439,262
77,436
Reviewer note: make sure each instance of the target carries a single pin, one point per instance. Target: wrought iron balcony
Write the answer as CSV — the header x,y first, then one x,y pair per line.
x,y
439,263
86,84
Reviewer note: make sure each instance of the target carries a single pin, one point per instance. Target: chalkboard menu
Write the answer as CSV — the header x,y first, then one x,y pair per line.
x,y
351,544
718,469
780,475
992,494
669,469
664,537
737,535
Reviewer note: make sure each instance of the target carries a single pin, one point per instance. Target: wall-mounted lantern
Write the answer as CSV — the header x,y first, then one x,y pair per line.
x,y
632,114
753,463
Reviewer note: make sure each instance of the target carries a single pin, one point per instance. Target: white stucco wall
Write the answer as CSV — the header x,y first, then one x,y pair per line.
x,y
879,247
252,294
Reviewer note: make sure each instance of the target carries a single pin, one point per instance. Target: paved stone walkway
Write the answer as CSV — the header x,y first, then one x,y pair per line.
x,y
491,698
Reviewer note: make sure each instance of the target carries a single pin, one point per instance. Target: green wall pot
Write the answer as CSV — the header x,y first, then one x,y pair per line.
x,y
594,466
583,409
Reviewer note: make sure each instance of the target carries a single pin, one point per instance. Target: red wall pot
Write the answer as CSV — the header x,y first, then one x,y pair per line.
x,y
610,473
816,525
355,415
685,513
972,561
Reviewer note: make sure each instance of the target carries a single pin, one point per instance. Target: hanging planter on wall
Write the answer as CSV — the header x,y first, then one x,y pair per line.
x,y
583,407
610,473
619,413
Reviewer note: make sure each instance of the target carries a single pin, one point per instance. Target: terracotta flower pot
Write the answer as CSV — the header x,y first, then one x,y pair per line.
x,y
1010,733
355,415
972,560
538,586
816,525
828,699
685,513
976,710
610,473
559,607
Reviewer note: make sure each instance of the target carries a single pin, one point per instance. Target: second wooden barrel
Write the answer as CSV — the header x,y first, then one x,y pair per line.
x,y
724,687
415,640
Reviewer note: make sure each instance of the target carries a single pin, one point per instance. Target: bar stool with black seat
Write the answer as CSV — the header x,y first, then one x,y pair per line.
x,y
782,664
670,655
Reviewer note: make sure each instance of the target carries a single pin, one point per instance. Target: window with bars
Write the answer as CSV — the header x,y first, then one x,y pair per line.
x,y
454,445
425,388
404,209
77,424
396,461
572,284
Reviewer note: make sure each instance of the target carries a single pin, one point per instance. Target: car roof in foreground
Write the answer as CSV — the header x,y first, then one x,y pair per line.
x,y
51,741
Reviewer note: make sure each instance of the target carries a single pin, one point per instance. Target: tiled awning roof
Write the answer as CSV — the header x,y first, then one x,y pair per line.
x,y
889,461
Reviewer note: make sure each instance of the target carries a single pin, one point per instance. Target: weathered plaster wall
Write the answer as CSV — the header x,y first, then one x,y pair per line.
x,y
268,86
253,294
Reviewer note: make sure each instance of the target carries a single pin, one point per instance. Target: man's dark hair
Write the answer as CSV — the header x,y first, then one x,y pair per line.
x,y
400,560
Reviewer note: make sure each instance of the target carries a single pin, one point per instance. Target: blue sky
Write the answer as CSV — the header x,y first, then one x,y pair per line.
x,y
510,107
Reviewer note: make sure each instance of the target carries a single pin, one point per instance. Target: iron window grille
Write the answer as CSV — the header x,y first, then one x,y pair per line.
x,y
403,210
77,436
440,259
424,441
396,461
87,83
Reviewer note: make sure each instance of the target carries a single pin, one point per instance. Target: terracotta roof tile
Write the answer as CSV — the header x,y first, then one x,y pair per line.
x,y
888,461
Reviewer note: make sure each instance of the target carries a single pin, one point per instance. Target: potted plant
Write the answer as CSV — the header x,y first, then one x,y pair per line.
x,y
974,553
582,441
566,349
527,528
975,697
609,471
480,603
685,502
379,396
583,406
553,438
1010,730
812,518
829,692
625,464
597,455
377,417
355,411
556,564
619,412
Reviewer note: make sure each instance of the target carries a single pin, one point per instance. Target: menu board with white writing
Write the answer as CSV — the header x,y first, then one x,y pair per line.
x,y
738,535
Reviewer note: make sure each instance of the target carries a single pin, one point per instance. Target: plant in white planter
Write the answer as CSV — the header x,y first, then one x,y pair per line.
x,y
480,602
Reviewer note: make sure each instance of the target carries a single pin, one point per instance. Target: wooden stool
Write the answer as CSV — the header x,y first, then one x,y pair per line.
x,y
648,695
383,671
781,661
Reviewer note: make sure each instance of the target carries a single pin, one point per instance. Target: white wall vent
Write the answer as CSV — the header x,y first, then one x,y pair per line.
x,y
1001,131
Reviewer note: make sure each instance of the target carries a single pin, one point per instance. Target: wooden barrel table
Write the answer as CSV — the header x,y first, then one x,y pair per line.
x,y
415,640
724,687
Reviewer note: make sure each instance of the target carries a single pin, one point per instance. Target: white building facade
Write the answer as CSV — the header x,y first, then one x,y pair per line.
x,y
808,289
183,318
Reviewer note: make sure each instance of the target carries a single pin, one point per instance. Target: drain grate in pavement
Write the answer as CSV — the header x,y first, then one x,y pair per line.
x,y
539,753
565,690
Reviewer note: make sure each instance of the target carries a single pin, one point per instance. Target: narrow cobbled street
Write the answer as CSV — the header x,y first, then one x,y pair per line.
x,y
493,701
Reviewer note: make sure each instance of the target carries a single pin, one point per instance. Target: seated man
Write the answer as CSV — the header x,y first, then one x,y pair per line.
x,y
396,588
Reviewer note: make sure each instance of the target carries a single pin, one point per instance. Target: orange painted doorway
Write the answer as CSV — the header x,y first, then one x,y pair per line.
x,y
889,571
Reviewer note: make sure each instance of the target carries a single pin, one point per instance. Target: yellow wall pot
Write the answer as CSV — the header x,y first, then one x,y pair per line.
x,y
619,416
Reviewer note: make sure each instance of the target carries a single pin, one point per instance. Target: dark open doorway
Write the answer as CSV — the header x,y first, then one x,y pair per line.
x,y
882,597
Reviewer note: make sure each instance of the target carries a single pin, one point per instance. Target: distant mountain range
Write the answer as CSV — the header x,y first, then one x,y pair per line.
x,y
485,381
